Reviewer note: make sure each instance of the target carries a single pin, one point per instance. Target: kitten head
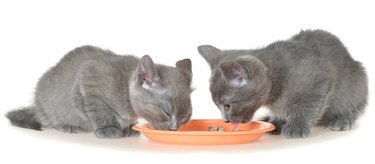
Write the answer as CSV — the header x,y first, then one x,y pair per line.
x,y
161,94
239,84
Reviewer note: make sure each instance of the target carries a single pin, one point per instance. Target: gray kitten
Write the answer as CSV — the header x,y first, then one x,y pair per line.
x,y
92,89
309,79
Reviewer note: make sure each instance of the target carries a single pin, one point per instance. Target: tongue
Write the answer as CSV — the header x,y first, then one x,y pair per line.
x,y
234,126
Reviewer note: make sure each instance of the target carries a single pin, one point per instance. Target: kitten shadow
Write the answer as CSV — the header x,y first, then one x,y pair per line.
x,y
141,144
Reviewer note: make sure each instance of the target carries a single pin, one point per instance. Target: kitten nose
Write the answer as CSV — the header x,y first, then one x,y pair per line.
x,y
224,117
174,125
173,128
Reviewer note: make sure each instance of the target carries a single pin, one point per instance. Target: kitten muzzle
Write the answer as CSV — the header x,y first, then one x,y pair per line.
x,y
174,125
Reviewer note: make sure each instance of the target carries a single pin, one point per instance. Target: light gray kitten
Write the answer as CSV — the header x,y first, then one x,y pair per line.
x,y
307,80
92,89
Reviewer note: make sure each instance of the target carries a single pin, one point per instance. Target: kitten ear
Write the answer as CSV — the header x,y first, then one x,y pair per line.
x,y
210,53
148,76
185,66
234,73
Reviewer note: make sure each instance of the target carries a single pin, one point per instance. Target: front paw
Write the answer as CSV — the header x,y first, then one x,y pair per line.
x,y
276,122
295,131
109,132
129,132
341,124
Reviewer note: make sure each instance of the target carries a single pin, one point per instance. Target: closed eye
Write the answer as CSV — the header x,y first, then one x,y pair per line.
x,y
168,114
159,106
227,107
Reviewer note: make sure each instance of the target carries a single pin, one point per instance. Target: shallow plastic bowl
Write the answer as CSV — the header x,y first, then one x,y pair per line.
x,y
195,132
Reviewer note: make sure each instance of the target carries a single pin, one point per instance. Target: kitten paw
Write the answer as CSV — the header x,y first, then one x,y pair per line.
x,y
295,131
340,125
70,129
109,132
276,122
129,132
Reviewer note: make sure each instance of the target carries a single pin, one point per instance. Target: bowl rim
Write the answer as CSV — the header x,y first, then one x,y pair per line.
x,y
264,128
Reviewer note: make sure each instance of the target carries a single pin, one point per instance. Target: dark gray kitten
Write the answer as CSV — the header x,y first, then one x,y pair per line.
x,y
92,89
307,80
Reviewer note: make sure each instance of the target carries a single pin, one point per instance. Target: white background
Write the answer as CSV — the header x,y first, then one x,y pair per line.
x,y
35,34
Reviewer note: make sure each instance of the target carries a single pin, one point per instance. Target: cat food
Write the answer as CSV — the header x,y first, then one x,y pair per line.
x,y
215,128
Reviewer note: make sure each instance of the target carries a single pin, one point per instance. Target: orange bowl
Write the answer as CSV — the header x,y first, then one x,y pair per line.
x,y
195,132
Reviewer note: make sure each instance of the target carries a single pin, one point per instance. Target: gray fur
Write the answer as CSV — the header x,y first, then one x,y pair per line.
x,y
95,90
309,79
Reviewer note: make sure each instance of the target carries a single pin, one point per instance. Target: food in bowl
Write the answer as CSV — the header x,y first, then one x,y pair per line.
x,y
215,128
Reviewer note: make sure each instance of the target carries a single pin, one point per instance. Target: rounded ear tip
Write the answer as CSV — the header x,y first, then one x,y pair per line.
x,y
186,60
203,46
207,49
183,63
146,56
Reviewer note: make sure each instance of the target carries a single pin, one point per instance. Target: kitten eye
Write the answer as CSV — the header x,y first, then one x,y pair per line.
x,y
227,107
166,113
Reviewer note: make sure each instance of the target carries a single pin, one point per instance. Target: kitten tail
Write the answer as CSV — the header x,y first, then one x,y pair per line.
x,y
25,118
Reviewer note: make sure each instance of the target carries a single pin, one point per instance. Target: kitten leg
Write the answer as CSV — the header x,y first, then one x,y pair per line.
x,y
129,132
278,123
70,129
102,117
81,125
337,122
341,124
343,110
94,82
127,125
126,120
303,111
102,88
